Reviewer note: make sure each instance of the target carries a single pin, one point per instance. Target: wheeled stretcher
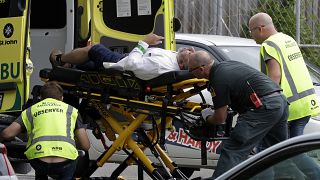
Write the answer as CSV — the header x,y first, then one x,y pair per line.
x,y
157,102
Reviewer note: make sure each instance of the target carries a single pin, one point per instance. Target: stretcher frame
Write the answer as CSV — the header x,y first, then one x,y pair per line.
x,y
165,101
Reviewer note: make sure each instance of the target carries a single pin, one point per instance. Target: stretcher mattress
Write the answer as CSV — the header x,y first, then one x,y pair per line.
x,y
115,81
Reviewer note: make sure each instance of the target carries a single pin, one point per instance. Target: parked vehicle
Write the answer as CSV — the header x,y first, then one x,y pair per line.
x,y
295,158
6,170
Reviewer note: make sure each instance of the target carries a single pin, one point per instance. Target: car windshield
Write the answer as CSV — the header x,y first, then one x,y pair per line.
x,y
314,73
246,54
302,166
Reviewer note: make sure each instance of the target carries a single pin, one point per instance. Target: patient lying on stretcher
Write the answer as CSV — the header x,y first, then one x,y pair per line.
x,y
146,63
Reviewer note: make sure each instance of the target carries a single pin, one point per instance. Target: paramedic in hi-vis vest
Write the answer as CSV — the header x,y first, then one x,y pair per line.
x,y
52,127
282,61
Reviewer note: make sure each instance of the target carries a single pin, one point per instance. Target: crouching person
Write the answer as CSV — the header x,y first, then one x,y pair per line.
x,y
54,128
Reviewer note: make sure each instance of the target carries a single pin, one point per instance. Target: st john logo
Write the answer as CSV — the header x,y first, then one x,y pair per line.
x,y
8,30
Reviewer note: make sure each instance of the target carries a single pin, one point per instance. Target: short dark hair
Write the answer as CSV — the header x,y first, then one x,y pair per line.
x,y
51,89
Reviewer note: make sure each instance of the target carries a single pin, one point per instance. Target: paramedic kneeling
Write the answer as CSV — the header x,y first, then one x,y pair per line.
x,y
52,127
240,86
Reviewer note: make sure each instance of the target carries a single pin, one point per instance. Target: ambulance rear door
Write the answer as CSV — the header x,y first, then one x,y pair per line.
x,y
51,27
120,24
15,65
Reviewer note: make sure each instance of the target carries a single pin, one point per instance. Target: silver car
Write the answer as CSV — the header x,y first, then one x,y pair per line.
x,y
295,158
182,149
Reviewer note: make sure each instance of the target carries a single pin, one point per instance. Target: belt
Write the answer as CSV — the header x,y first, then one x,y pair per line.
x,y
273,94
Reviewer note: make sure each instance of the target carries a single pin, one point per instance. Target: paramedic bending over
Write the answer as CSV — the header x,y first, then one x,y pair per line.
x,y
146,63
228,85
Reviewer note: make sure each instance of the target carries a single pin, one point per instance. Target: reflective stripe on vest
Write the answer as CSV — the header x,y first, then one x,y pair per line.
x,y
52,138
295,95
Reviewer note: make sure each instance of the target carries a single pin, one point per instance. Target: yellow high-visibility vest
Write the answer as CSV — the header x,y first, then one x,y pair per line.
x,y
50,126
295,78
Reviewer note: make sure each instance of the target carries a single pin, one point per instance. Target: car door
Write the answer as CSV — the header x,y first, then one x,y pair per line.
x,y
15,65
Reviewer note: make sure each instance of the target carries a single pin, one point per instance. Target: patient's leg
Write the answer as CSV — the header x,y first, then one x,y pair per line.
x,y
76,56
97,54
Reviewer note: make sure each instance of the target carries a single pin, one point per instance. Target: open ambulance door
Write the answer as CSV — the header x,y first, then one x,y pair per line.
x,y
15,65
120,24
82,23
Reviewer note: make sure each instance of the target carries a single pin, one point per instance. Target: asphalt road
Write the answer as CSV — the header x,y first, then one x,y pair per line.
x,y
131,173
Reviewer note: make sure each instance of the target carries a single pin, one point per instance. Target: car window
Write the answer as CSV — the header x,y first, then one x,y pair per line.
x,y
315,78
302,166
246,54
314,71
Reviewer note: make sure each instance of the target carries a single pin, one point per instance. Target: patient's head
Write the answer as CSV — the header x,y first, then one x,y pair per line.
x,y
200,64
184,56
51,89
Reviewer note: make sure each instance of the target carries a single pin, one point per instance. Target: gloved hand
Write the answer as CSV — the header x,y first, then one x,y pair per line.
x,y
206,113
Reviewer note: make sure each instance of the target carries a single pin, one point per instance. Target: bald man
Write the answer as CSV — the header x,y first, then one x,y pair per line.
x,y
231,84
282,61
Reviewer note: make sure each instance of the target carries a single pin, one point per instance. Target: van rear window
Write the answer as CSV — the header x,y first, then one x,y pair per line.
x,y
132,16
11,8
48,14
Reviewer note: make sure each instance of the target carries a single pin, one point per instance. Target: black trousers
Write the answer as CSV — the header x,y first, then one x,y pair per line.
x,y
267,124
62,170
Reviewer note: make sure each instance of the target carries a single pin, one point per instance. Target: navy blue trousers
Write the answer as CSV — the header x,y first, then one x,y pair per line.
x,y
98,54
